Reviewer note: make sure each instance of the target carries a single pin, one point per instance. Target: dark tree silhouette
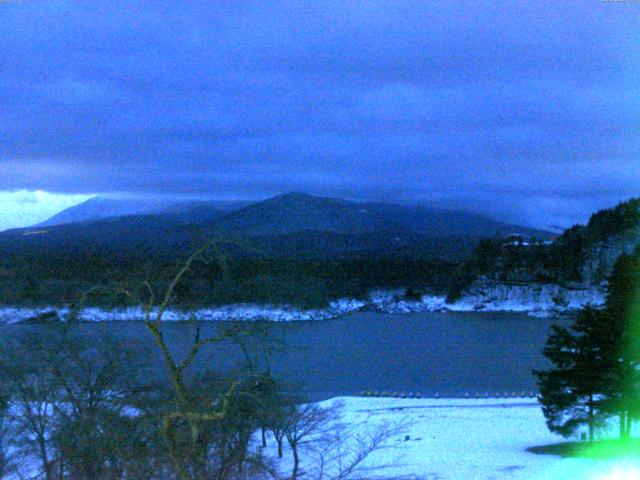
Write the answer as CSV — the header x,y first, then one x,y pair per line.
x,y
571,391
594,371
623,322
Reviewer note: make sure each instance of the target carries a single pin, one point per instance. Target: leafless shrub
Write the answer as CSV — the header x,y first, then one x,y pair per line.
x,y
324,448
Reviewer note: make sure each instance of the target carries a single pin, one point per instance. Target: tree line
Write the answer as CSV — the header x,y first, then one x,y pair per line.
x,y
305,283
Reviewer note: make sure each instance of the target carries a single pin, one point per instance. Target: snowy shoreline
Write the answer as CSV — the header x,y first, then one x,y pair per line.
x,y
540,301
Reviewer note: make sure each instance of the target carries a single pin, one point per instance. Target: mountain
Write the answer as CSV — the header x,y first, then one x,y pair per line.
x,y
297,212
98,208
195,206
194,213
293,248
293,224
302,249
448,223
101,208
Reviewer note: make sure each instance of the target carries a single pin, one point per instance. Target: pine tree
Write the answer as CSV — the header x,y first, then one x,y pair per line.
x,y
595,363
623,322
570,392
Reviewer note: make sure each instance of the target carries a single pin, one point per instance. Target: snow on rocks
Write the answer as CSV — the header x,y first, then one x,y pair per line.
x,y
379,301
394,301
538,300
237,312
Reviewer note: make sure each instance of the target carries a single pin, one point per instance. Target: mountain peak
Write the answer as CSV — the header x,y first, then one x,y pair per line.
x,y
297,197
295,194
302,198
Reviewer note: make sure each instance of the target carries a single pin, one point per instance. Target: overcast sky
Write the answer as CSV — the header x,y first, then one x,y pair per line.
x,y
528,111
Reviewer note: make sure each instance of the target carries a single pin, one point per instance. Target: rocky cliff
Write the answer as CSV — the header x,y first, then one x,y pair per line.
x,y
601,256
491,295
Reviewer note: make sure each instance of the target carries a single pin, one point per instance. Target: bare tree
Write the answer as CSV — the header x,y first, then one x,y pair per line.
x,y
30,397
303,421
98,433
83,426
343,453
323,447
7,433
71,404
300,424
188,427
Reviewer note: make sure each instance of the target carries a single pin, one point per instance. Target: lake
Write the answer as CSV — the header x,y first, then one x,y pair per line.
x,y
445,354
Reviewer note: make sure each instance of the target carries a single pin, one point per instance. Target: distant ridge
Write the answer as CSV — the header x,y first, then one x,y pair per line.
x,y
295,212
286,226
102,208
294,248
99,208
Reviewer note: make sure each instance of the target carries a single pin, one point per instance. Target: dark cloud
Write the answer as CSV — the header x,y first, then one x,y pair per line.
x,y
525,110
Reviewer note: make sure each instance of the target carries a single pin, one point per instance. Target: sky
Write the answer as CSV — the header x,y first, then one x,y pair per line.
x,y
527,111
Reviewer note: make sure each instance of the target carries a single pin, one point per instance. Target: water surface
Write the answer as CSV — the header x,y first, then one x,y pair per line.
x,y
446,354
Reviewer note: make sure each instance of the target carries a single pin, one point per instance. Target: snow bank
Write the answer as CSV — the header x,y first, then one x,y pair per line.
x,y
380,301
537,300
393,301
237,312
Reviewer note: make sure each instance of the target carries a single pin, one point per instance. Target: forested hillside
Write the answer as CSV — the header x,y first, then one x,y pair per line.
x,y
582,255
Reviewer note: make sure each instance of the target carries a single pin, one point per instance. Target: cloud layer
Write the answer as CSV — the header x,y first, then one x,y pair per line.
x,y
25,208
524,110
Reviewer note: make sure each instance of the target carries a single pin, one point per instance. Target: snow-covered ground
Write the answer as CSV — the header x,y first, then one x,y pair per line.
x,y
536,299
238,312
542,300
454,439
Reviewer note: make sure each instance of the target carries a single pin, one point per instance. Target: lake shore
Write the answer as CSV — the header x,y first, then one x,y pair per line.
x,y
535,301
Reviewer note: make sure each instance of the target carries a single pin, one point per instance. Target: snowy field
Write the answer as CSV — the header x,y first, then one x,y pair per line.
x,y
451,439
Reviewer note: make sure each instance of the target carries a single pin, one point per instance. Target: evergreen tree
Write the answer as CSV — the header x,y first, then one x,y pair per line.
x,y
570,392
595,362
623,323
